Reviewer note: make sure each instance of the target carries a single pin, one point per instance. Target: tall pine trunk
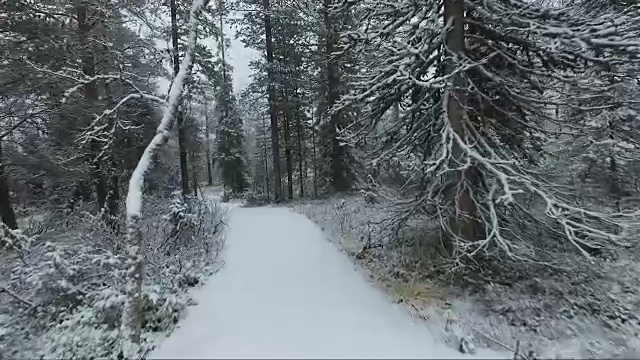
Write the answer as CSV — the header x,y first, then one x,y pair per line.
x,y
286,116
273,110
182,136
300,142
6,210
208,146
113,202
113,179
468,225
339,179
90,92
315,164
266,159
194,173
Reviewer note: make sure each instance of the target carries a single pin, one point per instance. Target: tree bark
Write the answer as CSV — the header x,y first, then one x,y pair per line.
x,y
300,142
223,50
6,210
113,203
468,226
286,116
194,173
266,159
339,179
113,185
182,136
208,145
90,92
315,165
273,111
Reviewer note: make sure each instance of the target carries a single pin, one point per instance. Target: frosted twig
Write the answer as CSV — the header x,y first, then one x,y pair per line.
x,y
17,297
506,347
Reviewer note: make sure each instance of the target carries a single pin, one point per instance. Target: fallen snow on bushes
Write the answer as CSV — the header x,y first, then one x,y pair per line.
x,y
62,288
590,310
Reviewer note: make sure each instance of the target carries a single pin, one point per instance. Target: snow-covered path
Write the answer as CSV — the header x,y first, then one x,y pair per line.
x,y
286,292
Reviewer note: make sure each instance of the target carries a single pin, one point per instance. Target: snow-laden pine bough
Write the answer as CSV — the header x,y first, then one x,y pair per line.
x,y
477,83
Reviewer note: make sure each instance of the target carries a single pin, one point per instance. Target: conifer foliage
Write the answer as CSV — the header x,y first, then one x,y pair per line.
x,y
473,86
230,138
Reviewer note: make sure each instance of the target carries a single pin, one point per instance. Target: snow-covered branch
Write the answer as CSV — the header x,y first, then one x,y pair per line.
x,y
519,62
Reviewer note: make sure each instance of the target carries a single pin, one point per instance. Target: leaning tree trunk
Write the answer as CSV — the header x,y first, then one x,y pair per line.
x,y
273,111
6,211
132,316
182,136
468,225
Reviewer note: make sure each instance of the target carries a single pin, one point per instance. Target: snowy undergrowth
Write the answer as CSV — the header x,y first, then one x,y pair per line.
x,y
64,288
587,310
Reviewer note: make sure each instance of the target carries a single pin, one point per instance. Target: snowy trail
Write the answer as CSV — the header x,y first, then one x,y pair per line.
x,y
286,292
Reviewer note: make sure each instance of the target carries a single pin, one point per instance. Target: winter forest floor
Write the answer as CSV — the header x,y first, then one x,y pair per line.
x,y
589,310
294,282
287,292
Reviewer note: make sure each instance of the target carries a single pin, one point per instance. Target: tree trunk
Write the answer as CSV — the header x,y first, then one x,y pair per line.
x,y
112,179
6,211
182,136
338,170
133,314
90,91
315,165
287,148
468,226
113,203
194,173
223,50
266,158
207,127
300,142
208,145
273,111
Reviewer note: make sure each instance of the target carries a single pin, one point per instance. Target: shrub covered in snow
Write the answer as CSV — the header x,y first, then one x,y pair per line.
x,y
229,195
585,309
252,198
66,292
13,240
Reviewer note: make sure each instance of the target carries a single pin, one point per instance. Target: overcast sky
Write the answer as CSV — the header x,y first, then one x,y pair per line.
x,y
238,56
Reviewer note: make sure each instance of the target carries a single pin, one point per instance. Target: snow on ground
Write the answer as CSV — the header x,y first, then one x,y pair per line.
x,y
286,292
590,311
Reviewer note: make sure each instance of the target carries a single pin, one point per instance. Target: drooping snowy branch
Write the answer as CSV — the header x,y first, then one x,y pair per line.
x,y
520,62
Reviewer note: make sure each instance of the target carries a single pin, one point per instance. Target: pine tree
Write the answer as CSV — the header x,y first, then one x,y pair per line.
x,y
472,109
230,142
230,137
